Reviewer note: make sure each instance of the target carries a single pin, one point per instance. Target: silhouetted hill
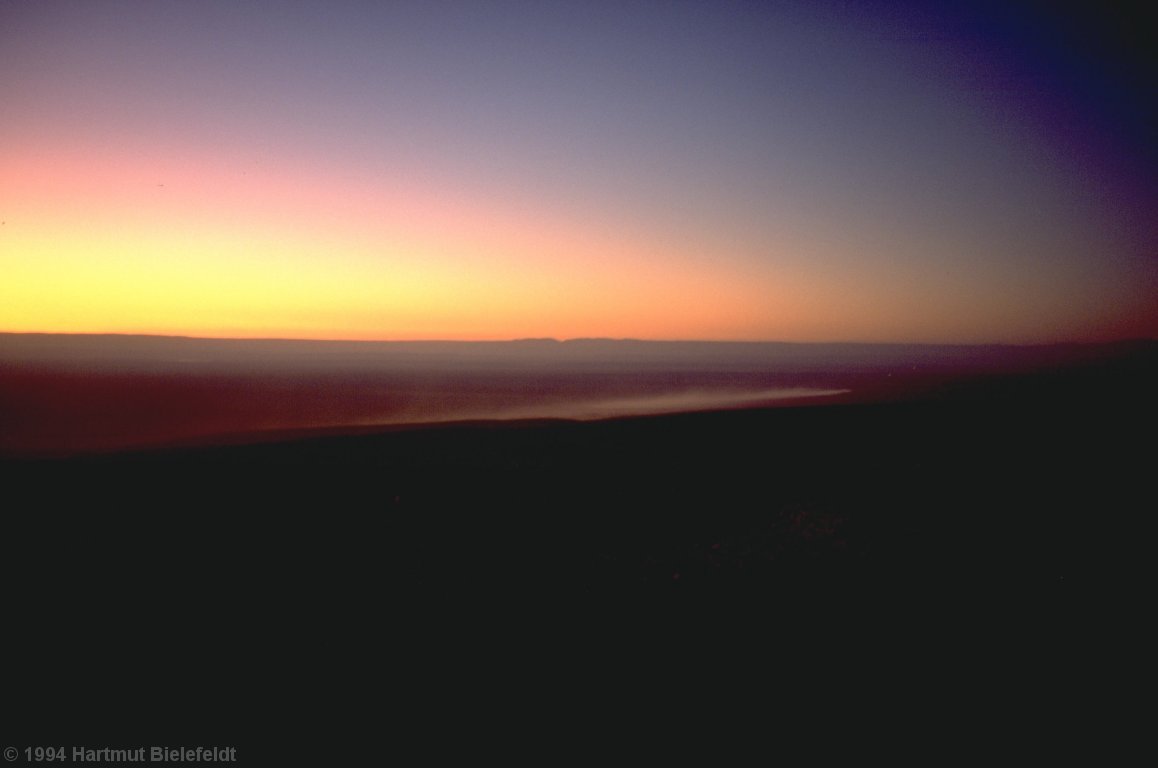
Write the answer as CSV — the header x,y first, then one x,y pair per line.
x,y
978,480
984,517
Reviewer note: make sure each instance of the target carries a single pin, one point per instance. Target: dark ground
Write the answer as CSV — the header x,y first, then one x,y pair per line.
x,y
220,579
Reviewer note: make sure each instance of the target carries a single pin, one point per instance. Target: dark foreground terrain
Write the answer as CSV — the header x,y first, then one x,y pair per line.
x,y
223,574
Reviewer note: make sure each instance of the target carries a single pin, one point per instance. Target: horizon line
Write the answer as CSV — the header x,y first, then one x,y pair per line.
x,y
554,340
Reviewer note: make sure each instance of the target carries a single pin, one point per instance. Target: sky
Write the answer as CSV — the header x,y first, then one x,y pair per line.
x,y
795,171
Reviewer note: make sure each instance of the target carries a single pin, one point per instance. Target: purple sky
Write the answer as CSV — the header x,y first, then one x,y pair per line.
x,y
804,171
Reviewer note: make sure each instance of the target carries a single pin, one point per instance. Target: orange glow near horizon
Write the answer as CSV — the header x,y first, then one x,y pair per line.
x,y
147,245
419,171
100,243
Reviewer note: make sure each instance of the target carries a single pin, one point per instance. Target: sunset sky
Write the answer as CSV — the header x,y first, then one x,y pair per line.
x,y
807,171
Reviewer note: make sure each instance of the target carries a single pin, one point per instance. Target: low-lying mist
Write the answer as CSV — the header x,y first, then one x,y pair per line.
x,y
63,394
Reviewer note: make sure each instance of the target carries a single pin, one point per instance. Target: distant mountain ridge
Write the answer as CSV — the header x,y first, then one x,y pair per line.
x,y
538,353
